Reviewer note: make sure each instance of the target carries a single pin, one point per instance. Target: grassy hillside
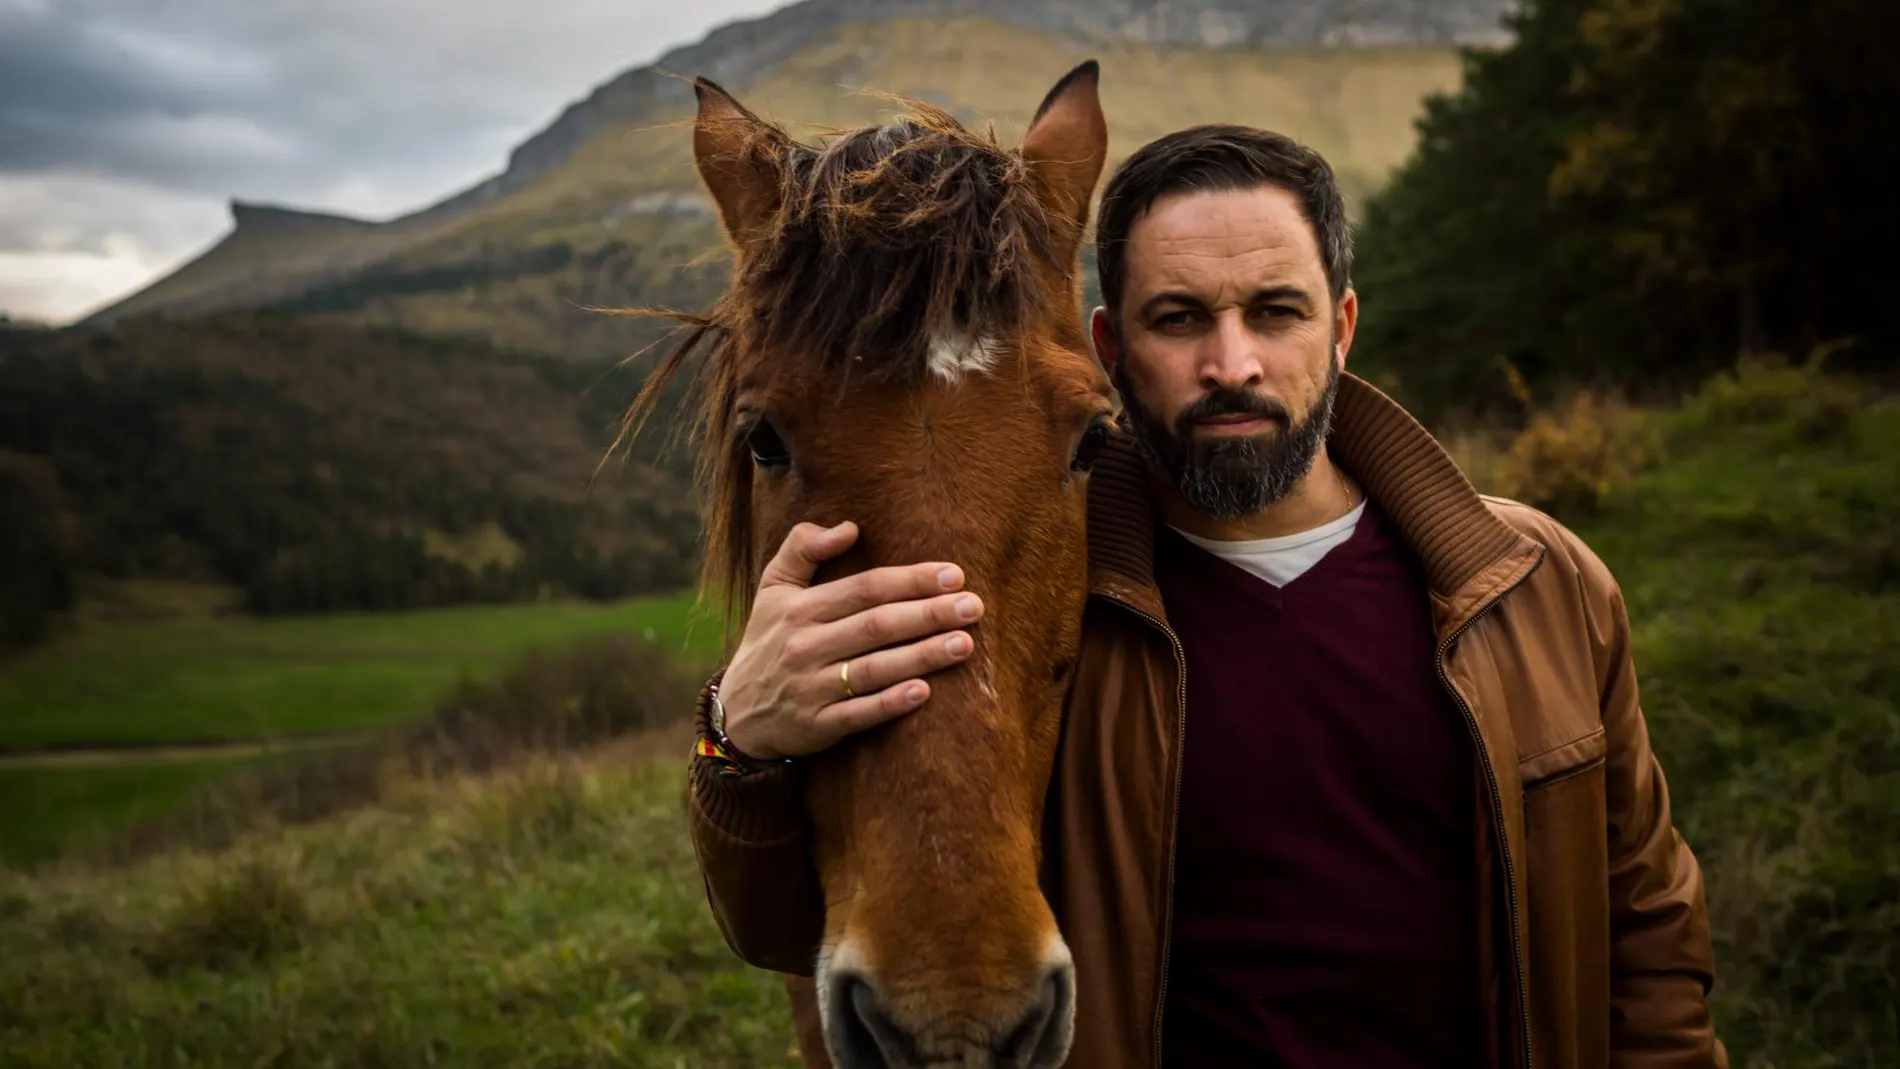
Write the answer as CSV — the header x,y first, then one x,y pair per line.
x,y
327,467
622,222
1761,561
1756,536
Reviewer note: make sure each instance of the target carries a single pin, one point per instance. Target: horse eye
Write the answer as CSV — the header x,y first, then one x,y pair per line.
x,y
1090,447
768,449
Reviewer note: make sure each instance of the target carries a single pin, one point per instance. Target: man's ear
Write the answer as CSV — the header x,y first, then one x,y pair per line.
x,y
735,152
1102,336
1066,146
1345,323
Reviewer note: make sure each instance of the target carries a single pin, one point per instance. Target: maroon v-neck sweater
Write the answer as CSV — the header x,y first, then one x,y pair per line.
x,y
1323,898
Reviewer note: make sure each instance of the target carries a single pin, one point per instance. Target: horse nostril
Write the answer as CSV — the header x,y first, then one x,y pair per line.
x,y
862,1035
1041,1041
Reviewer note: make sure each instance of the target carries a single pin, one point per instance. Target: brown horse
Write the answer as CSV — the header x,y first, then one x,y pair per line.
x,y
902,346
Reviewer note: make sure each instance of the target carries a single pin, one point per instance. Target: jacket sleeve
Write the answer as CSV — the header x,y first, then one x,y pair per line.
x,y
753,842
1661,960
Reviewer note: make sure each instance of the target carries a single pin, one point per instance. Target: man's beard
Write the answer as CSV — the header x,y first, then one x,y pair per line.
x,y
1232,477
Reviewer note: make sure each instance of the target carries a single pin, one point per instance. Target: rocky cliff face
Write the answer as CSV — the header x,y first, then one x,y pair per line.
x,y
740,52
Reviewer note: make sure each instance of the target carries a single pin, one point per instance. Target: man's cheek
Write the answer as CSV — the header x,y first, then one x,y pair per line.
x,y
1159,388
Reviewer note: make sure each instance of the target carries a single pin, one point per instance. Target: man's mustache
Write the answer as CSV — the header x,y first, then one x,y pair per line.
x,y
1231,403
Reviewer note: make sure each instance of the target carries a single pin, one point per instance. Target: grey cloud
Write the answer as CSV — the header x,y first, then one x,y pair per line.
x,y
214,104
275,100
130,125
100,216
57,64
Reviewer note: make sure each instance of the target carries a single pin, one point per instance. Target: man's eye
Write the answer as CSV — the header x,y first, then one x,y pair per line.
x,y
1174,320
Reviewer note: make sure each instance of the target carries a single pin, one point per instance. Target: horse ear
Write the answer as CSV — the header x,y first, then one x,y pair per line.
x,y
1067,142
733,149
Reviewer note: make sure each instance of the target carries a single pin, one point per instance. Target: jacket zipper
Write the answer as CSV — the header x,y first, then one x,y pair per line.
x,y
1174,815
1497,815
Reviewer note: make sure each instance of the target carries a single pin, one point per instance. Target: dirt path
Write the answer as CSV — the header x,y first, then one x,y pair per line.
x,y
169,752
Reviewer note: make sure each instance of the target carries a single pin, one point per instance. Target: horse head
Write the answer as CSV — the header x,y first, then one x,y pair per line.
x,y
902,346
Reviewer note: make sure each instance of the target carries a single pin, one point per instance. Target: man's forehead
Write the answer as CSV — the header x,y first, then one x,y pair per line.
x,y
1260,233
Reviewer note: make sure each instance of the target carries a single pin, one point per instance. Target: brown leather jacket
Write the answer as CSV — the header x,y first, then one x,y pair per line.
x,y
1594,930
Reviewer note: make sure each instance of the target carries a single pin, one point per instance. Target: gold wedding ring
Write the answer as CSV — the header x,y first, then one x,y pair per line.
x,y
844,673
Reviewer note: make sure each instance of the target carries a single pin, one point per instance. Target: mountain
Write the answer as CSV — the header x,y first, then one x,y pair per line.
x,y
736,53
601,208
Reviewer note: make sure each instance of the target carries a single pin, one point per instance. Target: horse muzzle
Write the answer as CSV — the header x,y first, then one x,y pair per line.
x,y
1028,1029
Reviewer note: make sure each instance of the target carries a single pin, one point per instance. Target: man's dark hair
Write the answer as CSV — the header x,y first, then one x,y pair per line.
x,y
1221,158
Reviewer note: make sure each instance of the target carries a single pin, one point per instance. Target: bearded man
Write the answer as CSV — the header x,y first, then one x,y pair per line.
x,y
1407,814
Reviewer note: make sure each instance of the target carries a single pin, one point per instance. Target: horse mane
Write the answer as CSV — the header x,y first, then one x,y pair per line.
x,y
885,240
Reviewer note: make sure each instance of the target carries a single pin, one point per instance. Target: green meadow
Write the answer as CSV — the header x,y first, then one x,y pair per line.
x,y
146,689
239,677
49,808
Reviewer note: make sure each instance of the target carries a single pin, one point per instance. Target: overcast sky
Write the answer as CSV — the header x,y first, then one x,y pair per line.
x,y
126,126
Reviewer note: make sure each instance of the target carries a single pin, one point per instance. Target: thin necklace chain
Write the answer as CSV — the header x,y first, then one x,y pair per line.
x,y
1344,485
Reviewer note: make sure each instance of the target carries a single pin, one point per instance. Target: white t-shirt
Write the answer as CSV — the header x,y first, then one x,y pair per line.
x,y
1281,560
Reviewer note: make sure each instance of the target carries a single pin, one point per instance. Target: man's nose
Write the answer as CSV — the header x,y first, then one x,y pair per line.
x,y
1230,357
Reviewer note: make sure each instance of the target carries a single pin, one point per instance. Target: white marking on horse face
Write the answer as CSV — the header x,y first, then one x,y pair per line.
x,y
953,356
986,679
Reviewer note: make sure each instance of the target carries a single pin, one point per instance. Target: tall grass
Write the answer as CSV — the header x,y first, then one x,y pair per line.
x,y
547,916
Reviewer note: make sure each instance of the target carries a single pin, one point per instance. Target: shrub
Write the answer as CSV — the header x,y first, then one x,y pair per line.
x,y
38,543
552,701
1570,461
248,910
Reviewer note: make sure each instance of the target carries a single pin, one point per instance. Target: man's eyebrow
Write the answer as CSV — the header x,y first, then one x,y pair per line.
x,y
1280,295
1154,303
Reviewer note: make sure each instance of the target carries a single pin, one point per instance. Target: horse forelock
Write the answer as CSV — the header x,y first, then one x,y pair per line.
x,y
894,243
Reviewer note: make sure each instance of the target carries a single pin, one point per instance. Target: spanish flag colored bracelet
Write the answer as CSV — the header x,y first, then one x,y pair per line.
x,y
719,748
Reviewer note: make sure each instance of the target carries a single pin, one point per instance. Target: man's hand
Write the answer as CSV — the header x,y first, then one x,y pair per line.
x,y
783,692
